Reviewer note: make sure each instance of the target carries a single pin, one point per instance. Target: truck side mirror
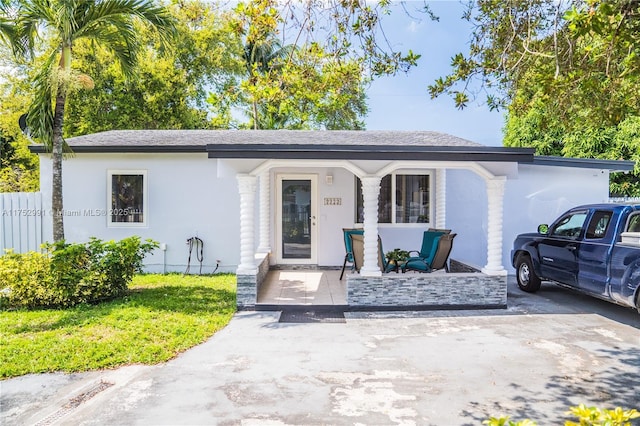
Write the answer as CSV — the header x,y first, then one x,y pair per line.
x,y
543,229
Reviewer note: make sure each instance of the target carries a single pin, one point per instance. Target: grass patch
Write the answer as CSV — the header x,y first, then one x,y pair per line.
x,y
162,316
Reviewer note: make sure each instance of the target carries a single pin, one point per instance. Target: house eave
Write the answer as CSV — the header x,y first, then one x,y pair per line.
x,y
585,163
123,149
369,152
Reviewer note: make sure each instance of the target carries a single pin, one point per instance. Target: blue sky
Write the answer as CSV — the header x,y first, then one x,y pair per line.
x,y
402,102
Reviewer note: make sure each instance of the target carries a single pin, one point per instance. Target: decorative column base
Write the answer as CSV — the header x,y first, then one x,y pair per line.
x,y
494,272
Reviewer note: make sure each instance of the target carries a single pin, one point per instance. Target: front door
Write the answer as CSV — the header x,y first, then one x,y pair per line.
x,y
296,219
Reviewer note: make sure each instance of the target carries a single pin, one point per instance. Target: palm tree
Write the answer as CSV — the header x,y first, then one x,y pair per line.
x,y
260,58
110,23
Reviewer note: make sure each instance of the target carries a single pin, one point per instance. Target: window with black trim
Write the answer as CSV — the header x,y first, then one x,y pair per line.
x,y
403,198
127,197
598,224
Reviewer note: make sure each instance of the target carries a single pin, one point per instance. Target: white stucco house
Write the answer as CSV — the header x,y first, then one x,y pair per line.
x,y
261,198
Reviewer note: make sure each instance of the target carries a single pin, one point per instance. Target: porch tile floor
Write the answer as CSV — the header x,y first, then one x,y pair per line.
x,y
303,287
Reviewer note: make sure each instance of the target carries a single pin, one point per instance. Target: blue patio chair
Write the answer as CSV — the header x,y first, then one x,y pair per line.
x,y
424,259
348,257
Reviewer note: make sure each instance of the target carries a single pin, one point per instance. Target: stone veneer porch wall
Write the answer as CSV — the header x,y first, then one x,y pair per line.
x,y
437,290
248,286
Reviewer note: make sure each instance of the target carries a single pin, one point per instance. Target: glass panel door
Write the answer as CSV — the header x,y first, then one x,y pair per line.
x,y
296,218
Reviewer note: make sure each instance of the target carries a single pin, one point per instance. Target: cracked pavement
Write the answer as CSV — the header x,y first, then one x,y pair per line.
x,y
545,352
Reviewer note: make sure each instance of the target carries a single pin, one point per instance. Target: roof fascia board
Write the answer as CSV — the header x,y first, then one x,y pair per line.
x,y
371,153
363,148
147,149
585,163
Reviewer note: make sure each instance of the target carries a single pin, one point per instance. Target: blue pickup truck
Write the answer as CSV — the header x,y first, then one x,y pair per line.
x,y
593,248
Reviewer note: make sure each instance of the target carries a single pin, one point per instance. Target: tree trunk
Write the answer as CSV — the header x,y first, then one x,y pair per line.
x,y
255,115
56,193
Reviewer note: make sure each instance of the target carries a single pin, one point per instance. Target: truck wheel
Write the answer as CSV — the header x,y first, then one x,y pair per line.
x,y
526,276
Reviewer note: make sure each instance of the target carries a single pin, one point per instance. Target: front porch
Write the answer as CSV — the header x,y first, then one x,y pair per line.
x,y
296,200
275,289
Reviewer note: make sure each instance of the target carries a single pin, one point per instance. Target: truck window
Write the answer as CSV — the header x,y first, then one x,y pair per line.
x,y
569,226
598,225
633,225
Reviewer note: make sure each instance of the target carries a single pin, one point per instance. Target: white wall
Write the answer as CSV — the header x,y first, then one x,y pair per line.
x,y
189,197
467,216
185,199
542,193
538,195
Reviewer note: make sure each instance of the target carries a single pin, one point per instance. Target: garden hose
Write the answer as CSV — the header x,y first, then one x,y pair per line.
x,y
199,246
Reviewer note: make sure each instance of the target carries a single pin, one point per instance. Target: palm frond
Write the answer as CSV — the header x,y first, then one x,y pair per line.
x,y
10,31
7,31
33,16
40,114
122,41
119,12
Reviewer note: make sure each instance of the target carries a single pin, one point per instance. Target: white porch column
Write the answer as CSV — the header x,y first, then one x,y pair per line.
x,y
370,193
264,245
441,198
495,197
247,187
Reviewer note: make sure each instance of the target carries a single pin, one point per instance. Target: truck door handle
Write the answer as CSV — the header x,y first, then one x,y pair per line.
x,y
572,248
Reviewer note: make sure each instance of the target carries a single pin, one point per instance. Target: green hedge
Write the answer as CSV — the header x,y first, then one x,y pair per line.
x,y
70,274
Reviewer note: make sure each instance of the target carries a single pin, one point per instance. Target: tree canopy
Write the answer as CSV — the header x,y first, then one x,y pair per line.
x,y
288,85
170,85
61,24
219,73
567,73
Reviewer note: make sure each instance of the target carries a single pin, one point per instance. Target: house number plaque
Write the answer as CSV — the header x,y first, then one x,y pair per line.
x,y
334,201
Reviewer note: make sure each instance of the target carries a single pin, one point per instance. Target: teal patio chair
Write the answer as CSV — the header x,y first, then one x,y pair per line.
x,y
424,258
348,257
441,259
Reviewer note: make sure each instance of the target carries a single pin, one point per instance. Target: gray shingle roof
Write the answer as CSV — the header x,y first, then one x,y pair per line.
x,y
202,138
318,144
297,144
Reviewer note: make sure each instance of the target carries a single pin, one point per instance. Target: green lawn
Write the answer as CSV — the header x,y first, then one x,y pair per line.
x,y
162,316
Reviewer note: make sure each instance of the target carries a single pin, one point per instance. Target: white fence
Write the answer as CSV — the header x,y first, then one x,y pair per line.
x,y
21,218
625,200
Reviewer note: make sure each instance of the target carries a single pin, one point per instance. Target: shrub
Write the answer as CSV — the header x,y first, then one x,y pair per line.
x,y
26,280
587,416
69,274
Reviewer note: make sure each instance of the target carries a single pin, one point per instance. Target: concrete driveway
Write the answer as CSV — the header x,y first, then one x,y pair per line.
x,y
544,353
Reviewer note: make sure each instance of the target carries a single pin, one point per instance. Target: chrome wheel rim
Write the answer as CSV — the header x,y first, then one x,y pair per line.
x,y
523,273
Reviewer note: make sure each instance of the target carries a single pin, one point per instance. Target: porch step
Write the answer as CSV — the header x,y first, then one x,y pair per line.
x,y
302,316
318,308
304,267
